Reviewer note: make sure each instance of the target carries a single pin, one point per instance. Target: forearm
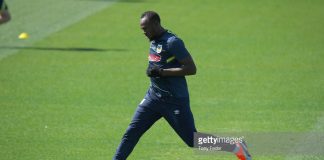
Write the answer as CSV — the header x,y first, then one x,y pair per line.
x,y
181,71
188,67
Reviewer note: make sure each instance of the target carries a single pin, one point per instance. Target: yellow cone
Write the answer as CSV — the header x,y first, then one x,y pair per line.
x,y
23,35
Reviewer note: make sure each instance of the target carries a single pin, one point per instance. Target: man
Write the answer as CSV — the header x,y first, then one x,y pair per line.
x,y
167,96
4,12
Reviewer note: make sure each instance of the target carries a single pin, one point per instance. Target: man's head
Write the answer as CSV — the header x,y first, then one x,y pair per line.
x,y
151,24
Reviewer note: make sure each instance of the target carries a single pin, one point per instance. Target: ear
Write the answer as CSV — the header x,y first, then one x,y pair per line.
x,y
155,23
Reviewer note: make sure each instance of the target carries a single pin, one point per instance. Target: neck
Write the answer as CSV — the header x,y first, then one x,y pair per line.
x,y
160,31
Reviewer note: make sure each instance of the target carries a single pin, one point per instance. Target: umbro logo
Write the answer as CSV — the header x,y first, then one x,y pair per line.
x,y
176,111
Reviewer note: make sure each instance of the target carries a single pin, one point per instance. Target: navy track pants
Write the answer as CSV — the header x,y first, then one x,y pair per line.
x,y
176,111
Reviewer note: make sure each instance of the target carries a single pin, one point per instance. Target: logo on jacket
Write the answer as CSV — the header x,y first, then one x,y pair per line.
x,y
159,48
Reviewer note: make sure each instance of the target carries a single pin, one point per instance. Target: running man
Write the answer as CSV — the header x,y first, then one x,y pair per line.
x,y
4,12
167,96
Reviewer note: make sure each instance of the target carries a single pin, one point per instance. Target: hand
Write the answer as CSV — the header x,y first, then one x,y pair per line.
x,y
154,71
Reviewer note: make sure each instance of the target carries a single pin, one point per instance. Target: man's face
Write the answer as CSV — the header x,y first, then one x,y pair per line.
x,y
148,28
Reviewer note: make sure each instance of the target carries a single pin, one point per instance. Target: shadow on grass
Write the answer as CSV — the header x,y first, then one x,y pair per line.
x,y
71,49
131,1
122,1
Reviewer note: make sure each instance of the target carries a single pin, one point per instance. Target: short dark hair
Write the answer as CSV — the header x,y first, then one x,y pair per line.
x,y
151,16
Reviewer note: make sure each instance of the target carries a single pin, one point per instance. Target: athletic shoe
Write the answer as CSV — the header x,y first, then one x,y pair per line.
x,y
241,152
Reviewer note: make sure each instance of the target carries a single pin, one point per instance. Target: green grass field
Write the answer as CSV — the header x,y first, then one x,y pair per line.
x,y
70,90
